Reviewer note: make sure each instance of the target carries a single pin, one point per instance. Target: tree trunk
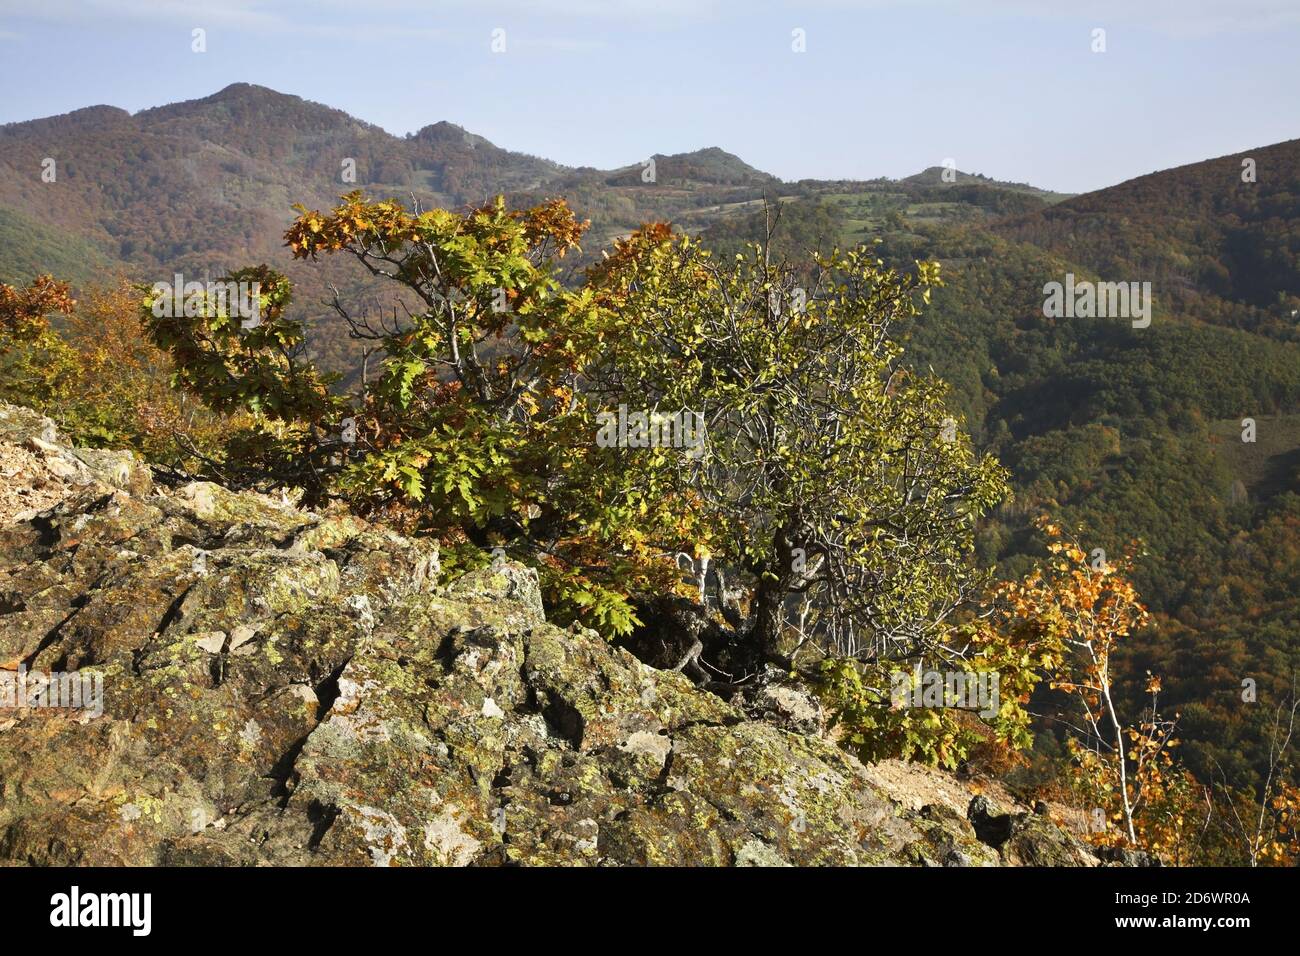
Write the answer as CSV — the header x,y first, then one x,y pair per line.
x,y
769,602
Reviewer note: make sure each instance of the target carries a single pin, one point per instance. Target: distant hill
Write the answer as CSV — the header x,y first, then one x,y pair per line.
x,y
208,184
704,167
1215,247
212,180
934,176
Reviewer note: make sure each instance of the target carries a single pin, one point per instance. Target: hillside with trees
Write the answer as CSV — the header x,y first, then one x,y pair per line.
x,y
899,460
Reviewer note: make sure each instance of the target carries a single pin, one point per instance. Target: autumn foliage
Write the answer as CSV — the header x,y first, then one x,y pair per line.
x,y
98,375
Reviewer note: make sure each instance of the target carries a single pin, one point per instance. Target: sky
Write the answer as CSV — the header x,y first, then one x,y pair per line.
x,y
1013,89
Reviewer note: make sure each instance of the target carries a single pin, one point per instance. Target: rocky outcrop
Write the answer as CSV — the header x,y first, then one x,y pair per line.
x,y
290,687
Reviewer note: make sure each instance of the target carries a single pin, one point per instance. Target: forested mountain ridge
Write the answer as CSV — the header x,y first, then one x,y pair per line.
x,y
235,161
1221,237
208,185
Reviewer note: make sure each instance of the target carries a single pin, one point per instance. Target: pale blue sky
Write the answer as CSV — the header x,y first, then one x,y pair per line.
x,y
1008,88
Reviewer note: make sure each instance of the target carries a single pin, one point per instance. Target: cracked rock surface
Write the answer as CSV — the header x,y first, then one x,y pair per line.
x,y
289,687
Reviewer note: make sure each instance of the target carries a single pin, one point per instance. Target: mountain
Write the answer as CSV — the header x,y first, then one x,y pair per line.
x,y
1220,238
704,167
207,185
213,180
1125,433
934,176
1142,433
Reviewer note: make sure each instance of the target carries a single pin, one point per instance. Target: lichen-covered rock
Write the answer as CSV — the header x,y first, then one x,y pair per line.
x,y
791,707
287,687
38,468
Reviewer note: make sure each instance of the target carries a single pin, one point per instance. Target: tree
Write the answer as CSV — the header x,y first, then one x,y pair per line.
x,y
123,394
37,367
97,375
1075,610
831,477
237,366
1264,824
474,429
828,480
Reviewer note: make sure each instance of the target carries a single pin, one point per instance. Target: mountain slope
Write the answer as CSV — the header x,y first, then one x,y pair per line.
x,y
214,179
1137,433
207,185
1214,246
